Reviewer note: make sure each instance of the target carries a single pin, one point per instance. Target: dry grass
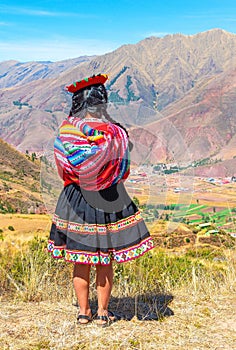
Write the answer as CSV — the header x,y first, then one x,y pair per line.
x,y
25,226
178,304
200,321
172,302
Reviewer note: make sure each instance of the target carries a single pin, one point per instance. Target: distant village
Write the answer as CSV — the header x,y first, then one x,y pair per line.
x,y
144,174
154,176
151,181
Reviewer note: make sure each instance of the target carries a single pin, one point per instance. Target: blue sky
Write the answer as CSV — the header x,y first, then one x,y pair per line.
x,y
57,30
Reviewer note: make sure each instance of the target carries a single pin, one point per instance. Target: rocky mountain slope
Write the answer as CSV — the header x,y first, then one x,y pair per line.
x,y
180,89
200,125
14,73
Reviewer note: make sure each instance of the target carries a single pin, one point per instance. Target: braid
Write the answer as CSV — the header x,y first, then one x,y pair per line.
x,y
109,118
93,100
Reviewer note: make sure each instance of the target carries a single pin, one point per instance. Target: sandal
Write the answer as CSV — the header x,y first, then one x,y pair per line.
x,y
84,317
108,319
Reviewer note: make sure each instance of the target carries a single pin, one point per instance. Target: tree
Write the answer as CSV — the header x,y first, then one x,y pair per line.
x,y
33,156
155,213
136,201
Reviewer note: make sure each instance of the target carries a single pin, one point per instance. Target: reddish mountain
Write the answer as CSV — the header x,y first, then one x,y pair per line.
x,y
179,89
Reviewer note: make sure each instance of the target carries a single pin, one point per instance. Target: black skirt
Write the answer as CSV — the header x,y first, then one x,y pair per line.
x,y
97,227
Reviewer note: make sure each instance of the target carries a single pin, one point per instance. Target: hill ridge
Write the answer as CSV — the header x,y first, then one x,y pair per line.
x,y
161,73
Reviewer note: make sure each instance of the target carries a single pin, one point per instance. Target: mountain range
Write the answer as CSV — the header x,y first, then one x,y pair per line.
x,y
177,95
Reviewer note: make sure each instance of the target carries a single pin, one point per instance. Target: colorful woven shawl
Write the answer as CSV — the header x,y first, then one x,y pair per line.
x,y
91,153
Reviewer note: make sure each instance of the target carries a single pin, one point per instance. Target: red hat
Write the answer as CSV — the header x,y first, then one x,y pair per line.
x,y
93,80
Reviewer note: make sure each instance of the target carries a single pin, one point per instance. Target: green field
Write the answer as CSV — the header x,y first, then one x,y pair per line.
x,y
221,217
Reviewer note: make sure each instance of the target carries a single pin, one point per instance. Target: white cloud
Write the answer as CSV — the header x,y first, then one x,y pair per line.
x,y
17,10
54,50
4,24
219,16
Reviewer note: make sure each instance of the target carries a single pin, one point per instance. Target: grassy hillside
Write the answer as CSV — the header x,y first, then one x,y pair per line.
x,y
27,184
19,181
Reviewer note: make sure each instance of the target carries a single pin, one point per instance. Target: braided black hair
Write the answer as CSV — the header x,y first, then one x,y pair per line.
x,y
93,100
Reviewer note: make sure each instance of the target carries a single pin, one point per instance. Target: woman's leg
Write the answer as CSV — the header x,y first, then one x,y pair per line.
x,y
81,279
104,282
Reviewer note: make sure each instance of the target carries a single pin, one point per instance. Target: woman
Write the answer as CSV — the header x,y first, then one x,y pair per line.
x,y
95,221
